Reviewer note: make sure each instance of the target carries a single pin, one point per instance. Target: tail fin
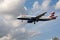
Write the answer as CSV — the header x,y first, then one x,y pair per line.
x,y
52,14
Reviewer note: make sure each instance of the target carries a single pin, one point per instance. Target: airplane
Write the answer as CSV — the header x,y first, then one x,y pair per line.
x,y
31,19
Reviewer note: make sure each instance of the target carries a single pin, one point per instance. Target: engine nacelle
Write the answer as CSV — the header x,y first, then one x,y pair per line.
x,y
29,21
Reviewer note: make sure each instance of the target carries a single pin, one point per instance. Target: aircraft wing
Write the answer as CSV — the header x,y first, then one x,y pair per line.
x,y
40,15
37,17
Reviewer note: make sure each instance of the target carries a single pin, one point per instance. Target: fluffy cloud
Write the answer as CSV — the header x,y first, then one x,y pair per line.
x,y
36,5
40,7
45,4
10,27
12,7
4,27
57,6
19,34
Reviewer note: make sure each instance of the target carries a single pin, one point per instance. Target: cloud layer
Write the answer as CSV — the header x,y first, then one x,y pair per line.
x,y
13,29
10,28
57,6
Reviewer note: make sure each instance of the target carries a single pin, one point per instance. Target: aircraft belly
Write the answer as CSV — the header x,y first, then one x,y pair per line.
x,y
23,18
29,21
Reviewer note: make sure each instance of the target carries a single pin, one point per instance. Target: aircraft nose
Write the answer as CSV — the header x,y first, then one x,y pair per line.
x,y
18,18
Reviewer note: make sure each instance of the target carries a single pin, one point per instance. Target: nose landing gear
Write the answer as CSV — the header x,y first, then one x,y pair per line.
x,y
22,21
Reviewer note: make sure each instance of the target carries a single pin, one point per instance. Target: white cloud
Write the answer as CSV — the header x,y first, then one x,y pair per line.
x,y
8,17
40,7
10,28
10,4
36,5
8,37
25,8
12,7
45,5
19,34
4,27
34,33
57,6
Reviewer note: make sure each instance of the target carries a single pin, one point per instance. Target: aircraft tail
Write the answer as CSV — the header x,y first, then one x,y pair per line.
x,y
52,16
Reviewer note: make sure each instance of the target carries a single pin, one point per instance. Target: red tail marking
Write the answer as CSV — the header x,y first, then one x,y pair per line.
x,y
52,14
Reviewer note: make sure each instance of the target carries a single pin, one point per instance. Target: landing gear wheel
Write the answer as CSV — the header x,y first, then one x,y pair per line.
x,y
34,22
22,20
37,21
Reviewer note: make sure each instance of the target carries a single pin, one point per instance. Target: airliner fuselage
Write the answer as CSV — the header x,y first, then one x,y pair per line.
x,y
40,17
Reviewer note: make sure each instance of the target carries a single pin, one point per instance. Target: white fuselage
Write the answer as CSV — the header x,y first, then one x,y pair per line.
x,y
29,16
34,19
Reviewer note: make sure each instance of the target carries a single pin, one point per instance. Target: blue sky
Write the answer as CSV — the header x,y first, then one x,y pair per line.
x,y
13,29
49,29
29,3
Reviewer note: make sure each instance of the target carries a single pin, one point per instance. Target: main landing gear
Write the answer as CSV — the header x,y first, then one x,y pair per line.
x,y
34,22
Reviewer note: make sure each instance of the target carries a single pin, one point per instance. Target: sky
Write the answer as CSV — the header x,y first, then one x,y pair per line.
x,y
13,29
